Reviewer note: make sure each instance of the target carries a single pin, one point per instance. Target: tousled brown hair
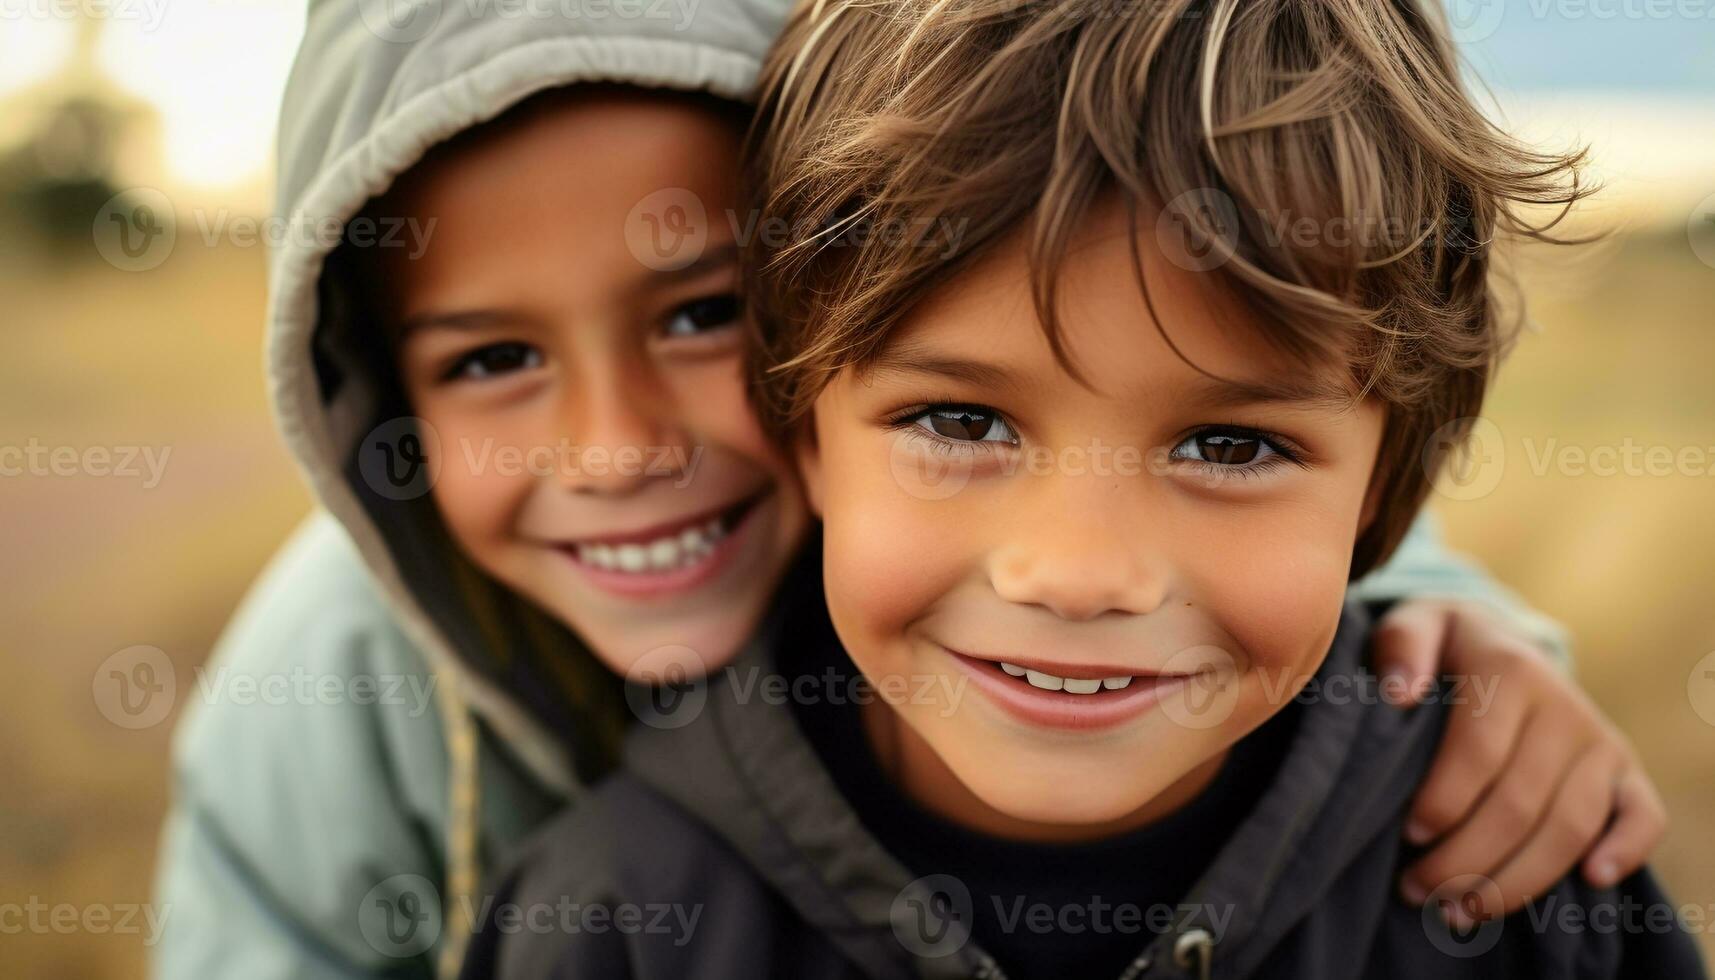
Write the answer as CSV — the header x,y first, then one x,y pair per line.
x,y
1229,116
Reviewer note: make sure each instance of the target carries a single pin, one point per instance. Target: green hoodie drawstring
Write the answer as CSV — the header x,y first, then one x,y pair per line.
x,y
462,799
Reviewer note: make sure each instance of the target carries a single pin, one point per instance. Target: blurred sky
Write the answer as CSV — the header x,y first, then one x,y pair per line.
x,y
1635,78
1565,50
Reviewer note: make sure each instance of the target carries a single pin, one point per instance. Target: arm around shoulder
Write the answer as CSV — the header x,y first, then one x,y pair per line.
x,y
1423,568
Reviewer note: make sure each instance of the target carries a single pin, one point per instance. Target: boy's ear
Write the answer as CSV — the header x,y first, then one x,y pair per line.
x,y
807,455
1378,485
1372,502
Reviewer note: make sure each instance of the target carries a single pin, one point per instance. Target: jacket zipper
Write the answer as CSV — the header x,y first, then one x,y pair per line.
x,y
1198,945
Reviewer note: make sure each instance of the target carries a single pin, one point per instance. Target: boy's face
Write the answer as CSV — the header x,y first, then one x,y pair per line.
x,y
598,452
1177,543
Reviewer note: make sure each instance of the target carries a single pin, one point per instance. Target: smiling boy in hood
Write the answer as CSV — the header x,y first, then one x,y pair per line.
x,y
348,839
1119,721
419,379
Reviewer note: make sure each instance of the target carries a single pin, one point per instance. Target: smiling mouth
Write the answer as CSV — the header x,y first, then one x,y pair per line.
x,y
670,547
1065,696
1081,679
1071,685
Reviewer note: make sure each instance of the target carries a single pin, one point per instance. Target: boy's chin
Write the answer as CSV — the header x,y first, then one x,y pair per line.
x,y
1066,804
655,653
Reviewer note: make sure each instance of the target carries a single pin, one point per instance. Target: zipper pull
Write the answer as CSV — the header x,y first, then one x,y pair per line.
x,y
1138,966
1195,945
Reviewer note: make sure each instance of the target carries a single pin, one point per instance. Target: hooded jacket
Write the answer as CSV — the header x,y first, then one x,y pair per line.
x,y
726,850
291,820
442,747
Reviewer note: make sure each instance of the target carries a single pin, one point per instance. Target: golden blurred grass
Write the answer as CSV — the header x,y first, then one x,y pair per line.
x,y
88,566
168,359
1621,355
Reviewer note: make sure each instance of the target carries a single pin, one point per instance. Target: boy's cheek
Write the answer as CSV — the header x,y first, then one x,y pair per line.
x,y
469,502
477,499
885,558
715,405
1283,614
888,556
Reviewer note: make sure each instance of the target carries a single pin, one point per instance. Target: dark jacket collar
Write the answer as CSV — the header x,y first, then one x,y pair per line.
x,y
739,761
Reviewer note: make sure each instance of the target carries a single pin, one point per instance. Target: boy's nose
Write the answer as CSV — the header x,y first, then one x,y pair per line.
x,y
1075,586
1079,559
620,435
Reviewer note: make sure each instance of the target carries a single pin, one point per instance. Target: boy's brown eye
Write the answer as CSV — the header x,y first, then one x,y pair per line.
x,y
495,359
703,315
1235,449
1227,449
966,424
961,425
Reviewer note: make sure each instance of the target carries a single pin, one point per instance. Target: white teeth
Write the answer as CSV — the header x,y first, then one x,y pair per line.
x,y
1048,682
599,555
632,558
1071,685
663,554
693,542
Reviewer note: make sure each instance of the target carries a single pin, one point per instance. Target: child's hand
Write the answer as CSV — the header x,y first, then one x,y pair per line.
x,y
1530,774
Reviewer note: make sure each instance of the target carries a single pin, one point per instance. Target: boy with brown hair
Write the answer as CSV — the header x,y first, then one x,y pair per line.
x,y
1122,727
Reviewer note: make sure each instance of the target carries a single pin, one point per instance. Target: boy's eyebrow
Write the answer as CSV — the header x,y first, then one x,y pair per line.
x,y
913,359
458,320
1213,392
1232,392
716,257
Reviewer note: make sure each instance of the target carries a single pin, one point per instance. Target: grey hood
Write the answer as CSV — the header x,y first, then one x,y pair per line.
x,y
375,85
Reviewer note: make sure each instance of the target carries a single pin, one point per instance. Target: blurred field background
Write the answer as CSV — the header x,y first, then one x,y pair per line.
x,y
93,355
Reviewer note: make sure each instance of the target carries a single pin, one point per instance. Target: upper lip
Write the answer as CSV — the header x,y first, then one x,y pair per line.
x,y
1084,671
664,528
